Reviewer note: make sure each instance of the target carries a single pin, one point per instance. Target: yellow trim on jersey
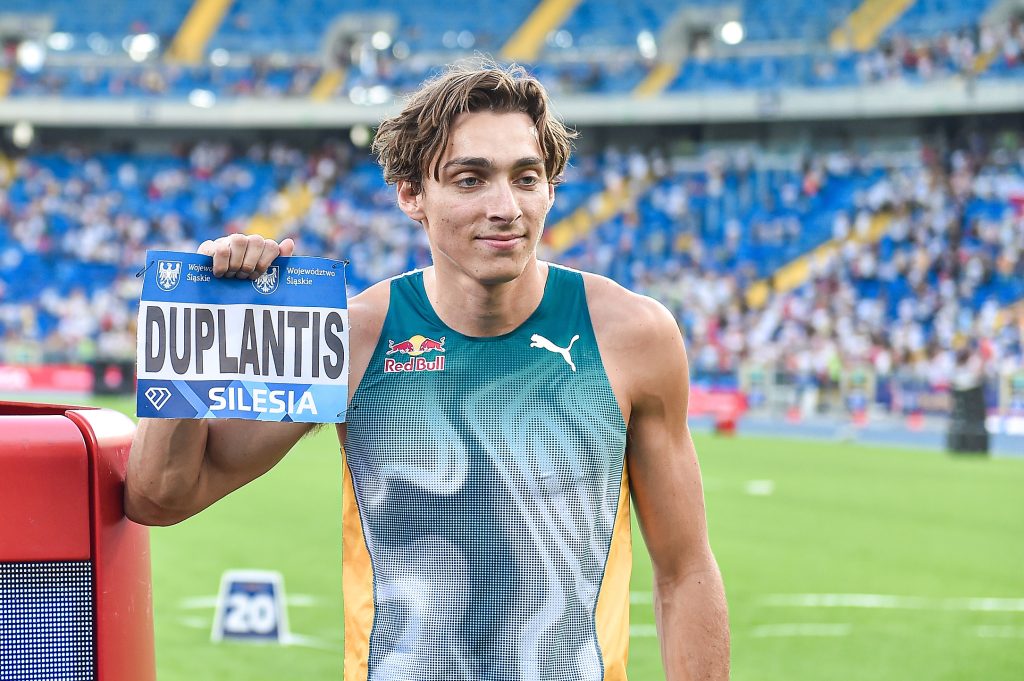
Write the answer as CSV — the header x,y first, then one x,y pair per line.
x,y
356,583
613,601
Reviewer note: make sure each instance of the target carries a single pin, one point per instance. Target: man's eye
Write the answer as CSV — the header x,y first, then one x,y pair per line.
x,y
529,180
468,181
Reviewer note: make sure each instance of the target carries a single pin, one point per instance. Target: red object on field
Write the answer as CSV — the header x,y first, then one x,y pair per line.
x,y
704,402
61,378
725,406
725,424
61,520
793,414
860,417
915,421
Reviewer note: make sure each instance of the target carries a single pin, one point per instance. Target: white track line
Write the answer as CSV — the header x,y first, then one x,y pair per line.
x,y
643,631
194,622
311,642
845,601
764,630
201,602
999,632
790,630
892,602
197,602
302,600
292,640
759,488
987,604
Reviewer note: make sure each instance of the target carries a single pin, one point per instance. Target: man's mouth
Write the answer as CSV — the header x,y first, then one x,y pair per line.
x,y
502,241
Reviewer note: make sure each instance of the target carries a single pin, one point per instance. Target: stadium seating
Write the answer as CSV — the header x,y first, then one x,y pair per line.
x,y
298,27
265,26
100,26
697,231
801,20
747,218
75,226
278,48
930,18
264,78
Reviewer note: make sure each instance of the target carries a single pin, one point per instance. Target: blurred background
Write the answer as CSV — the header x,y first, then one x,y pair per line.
x,y
830,199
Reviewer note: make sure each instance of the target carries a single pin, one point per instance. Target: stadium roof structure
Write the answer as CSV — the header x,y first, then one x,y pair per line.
x,y
896,99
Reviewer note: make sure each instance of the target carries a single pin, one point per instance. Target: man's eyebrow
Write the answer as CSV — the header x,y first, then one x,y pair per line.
x,y
486,164
469,161
529,161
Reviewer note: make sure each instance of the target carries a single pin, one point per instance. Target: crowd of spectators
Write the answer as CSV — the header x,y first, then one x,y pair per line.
x,y
905,306
76,226
374,76
967,52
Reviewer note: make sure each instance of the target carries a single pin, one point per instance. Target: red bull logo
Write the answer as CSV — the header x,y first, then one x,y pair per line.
x,y
413,348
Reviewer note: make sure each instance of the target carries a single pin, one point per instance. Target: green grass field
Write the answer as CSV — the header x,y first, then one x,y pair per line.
x,y
933,533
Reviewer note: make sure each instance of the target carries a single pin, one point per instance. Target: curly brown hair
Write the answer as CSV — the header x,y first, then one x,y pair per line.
x,y
407,142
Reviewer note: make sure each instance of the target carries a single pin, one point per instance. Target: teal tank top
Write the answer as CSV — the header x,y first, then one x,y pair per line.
x,y
487,476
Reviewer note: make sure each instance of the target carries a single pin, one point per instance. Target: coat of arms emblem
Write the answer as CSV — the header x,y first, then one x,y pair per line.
x,y
267,282
168,274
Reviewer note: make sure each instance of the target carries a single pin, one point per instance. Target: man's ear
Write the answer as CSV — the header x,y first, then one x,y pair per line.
x,y
410,196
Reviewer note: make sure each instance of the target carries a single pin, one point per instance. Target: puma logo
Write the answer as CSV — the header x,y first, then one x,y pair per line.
x,y
539,341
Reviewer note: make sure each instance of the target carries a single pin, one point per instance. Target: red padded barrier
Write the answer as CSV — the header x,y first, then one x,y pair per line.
x,y
124,597
62,472
44,488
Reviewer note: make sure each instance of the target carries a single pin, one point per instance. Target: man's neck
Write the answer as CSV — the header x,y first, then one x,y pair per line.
x,y
482,310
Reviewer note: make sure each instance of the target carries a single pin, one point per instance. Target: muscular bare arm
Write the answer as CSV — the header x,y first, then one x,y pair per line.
x,y
177,467
646,361
689,598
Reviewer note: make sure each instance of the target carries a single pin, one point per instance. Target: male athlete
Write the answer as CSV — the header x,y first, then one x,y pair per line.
x,y
486,505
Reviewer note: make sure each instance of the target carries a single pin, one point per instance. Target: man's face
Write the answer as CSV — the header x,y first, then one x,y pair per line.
x,y
485,214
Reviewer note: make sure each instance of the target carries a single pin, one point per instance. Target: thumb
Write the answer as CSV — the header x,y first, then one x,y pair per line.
x,y
287,247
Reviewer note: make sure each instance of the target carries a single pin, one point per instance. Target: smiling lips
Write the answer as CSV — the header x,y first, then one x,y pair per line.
x,y
501,241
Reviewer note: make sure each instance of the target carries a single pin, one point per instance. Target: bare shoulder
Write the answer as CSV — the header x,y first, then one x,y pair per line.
x,y
641,347
366,314
626,320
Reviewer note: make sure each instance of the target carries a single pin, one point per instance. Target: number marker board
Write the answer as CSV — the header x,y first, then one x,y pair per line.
x,y
251,607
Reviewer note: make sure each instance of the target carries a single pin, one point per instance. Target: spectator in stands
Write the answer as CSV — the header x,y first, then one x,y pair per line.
x,y
952,252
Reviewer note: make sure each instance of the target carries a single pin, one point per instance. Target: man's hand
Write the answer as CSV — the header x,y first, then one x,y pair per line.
x,y
244,256
178,467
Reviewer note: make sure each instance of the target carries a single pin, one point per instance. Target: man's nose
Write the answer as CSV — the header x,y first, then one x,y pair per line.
x,y
502,206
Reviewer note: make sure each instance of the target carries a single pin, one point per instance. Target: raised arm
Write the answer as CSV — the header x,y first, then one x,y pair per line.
x,y
178,467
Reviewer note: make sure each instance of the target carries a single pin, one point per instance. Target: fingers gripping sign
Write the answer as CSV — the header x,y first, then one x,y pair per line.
x,y
241,256
244,259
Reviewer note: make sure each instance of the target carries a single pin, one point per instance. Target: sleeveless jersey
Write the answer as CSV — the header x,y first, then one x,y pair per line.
x,y
486,502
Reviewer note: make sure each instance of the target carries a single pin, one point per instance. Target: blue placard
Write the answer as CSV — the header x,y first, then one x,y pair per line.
x,y
270,349
251,608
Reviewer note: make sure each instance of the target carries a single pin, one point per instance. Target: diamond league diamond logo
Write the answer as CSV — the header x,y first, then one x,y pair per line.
x,y
158,397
